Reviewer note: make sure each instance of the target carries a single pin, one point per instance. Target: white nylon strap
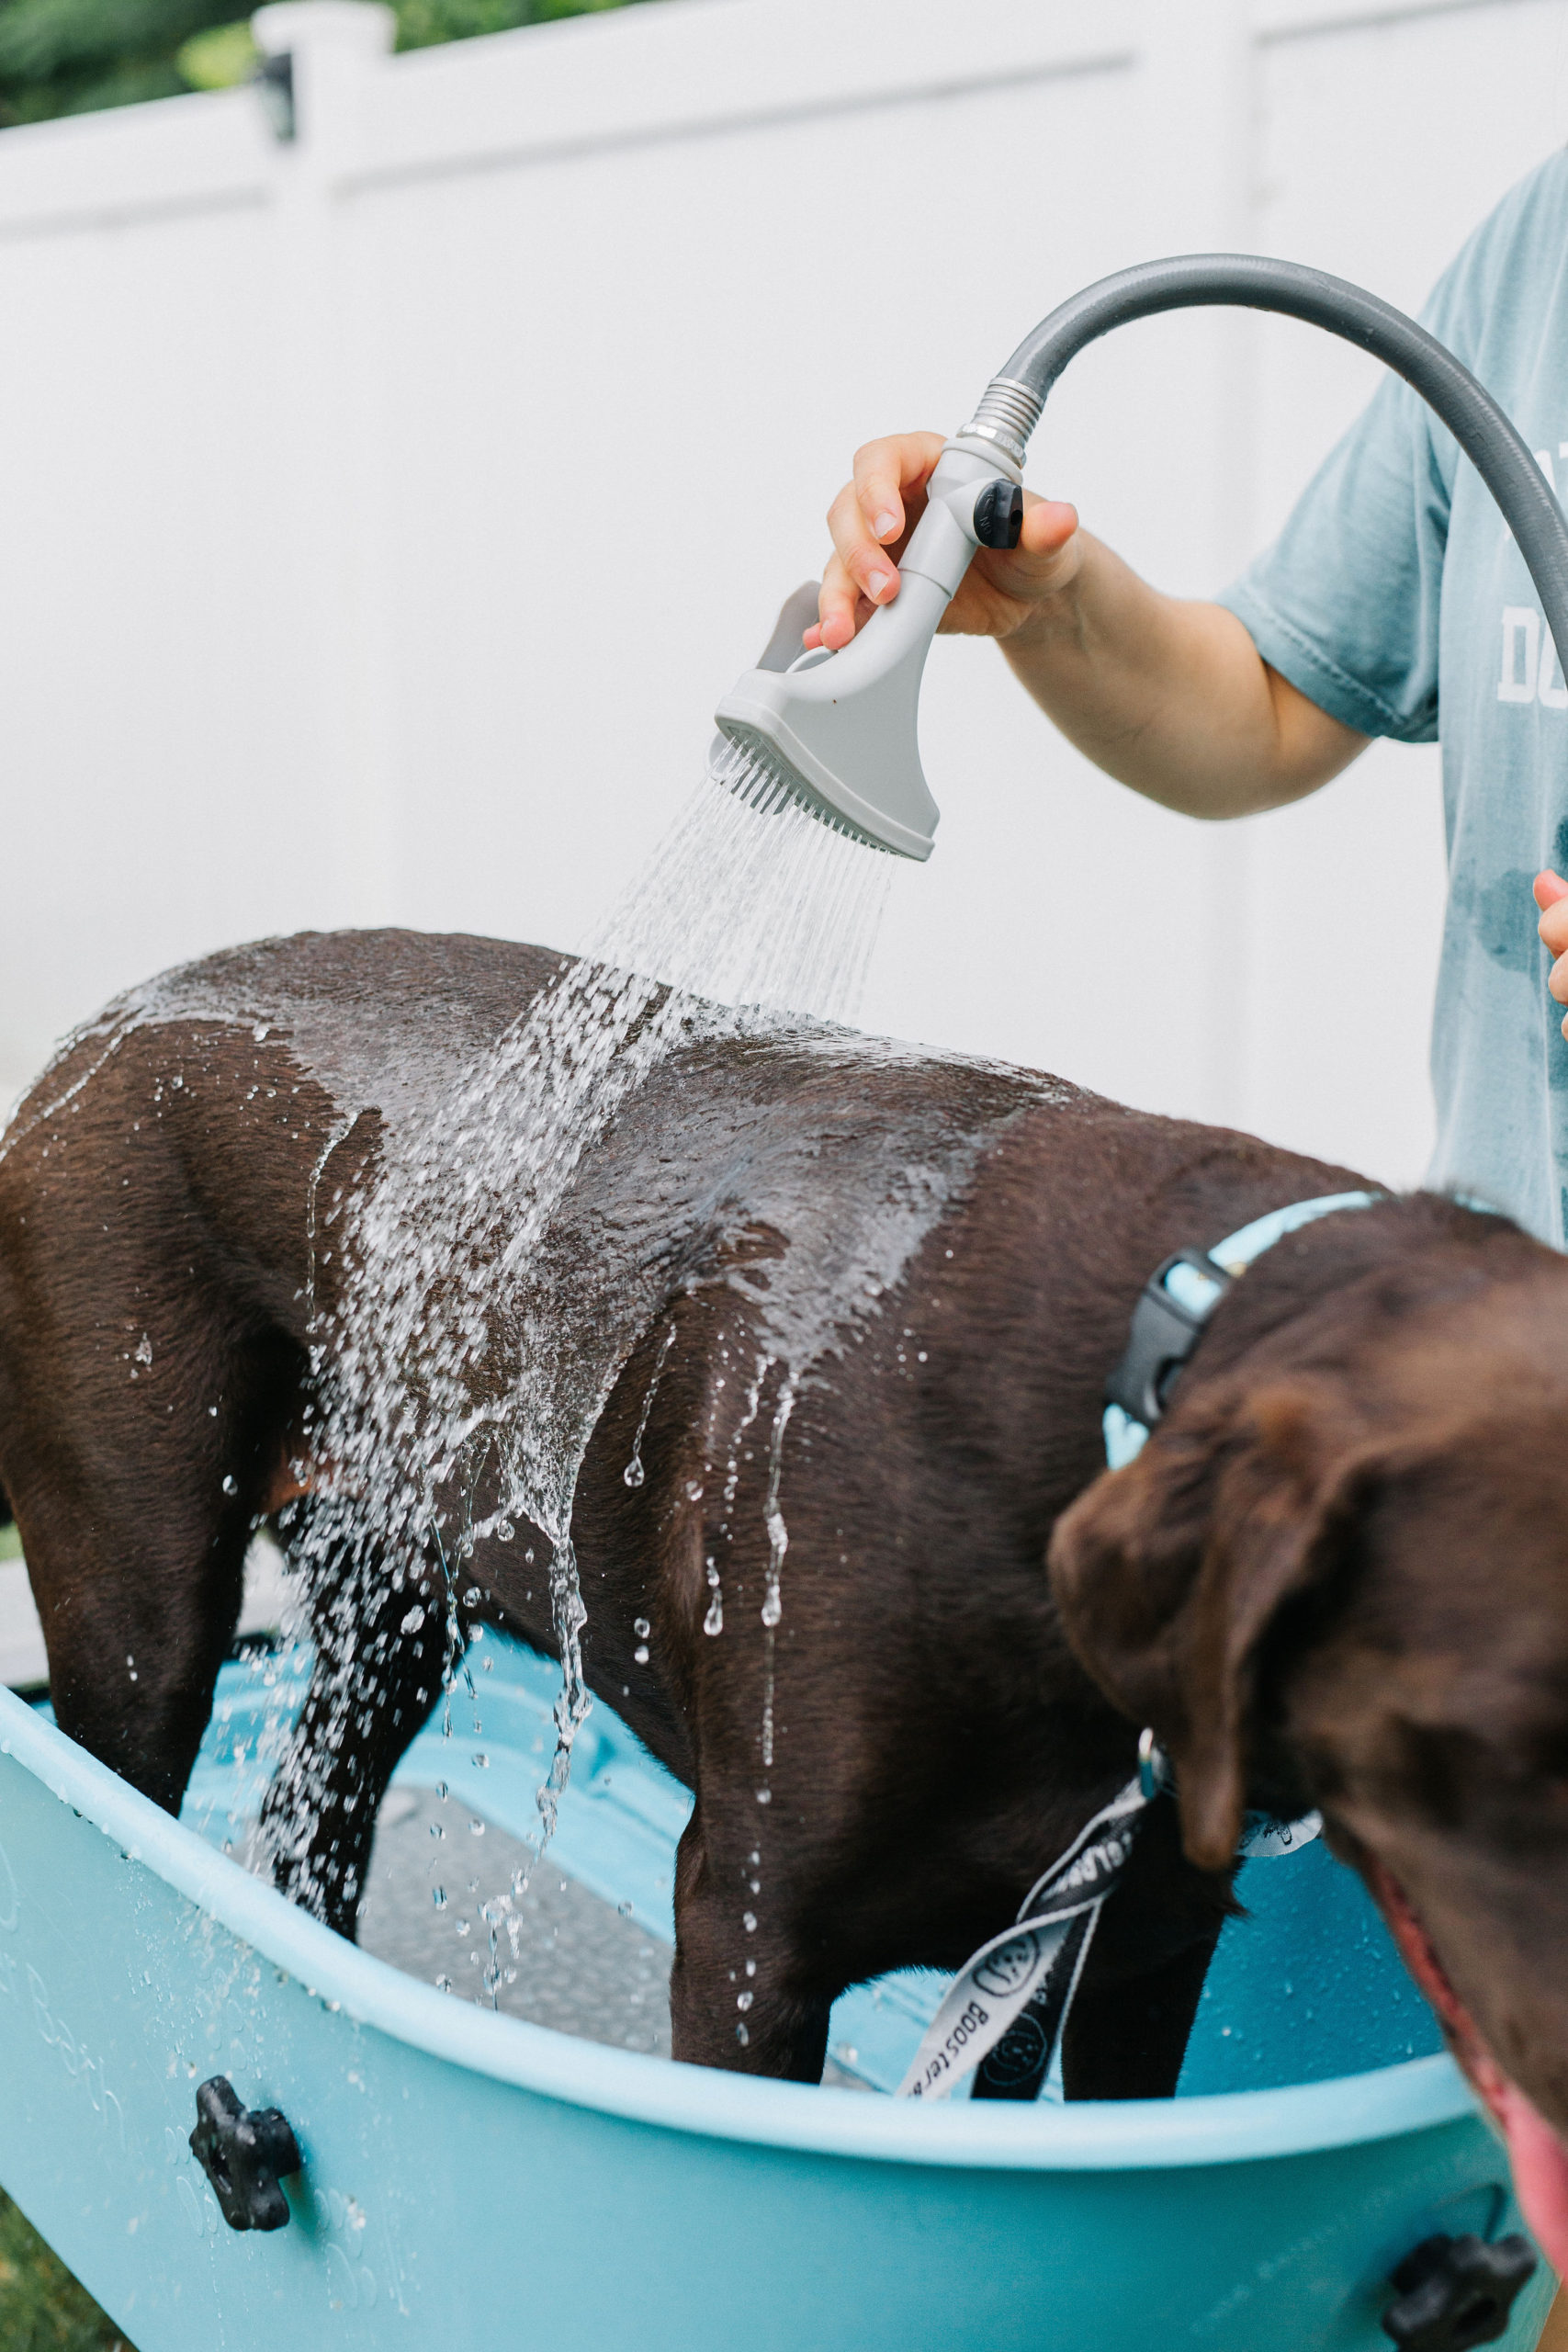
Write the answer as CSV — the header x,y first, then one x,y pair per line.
x,y
990,1994
992,1991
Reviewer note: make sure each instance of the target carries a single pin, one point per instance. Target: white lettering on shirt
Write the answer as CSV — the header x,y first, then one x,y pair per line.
x,y
1521,653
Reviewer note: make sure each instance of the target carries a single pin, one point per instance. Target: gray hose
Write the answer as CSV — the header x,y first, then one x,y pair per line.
x,y
1015,398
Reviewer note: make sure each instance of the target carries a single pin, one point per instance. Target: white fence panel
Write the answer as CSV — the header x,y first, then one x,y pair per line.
x,y
383,515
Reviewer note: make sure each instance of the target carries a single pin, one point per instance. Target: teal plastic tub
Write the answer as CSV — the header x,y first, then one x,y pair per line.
x,y
469,2176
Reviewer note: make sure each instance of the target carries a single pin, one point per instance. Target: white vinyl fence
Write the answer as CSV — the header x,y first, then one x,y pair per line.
x,y
381,513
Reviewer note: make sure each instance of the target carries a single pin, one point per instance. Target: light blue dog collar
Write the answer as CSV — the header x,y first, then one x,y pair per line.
x,y
1177,1303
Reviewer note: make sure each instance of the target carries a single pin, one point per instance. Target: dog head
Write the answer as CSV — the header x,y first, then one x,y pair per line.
x,y
1353,1594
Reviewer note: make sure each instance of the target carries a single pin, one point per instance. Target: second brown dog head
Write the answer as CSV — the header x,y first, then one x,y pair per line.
x,y
1352,1592
1172,1576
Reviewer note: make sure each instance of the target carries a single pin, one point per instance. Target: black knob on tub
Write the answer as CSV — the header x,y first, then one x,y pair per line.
x,y
999,514
1454,2292
244,2153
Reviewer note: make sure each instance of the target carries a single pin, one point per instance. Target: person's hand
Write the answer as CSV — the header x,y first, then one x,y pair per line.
x,y
1552,897
872,518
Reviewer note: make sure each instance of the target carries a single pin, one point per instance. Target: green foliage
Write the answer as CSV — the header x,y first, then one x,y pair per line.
x,y
41,2307
217,59
64,56
420,23
71,56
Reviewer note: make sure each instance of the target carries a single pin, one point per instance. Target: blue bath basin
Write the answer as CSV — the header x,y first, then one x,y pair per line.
x,y
469,2175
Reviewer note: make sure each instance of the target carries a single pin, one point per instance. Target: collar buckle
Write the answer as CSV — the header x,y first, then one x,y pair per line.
x,y
1168,1322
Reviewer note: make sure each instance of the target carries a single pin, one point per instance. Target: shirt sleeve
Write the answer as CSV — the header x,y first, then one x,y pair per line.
x,y
1346,602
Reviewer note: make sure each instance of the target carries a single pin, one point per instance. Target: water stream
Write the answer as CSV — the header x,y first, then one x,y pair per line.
x,y
468,1356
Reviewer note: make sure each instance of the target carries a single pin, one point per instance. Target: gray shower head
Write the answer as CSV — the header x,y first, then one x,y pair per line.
x,y
839,731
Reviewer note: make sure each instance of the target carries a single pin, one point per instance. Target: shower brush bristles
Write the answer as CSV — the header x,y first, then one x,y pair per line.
x,y
752,770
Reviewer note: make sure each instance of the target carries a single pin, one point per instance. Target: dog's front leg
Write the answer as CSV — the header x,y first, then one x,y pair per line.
x,y
1127,2035
739,1992
1127,2040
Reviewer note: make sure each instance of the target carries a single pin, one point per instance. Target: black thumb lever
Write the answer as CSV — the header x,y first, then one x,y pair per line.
x,y
244,2153
1454,2292
999,514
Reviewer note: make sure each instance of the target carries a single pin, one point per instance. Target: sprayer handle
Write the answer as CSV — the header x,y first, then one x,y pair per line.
x,y
967,501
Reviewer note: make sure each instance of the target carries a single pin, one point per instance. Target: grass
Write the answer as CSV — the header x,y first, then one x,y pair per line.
x,y
42,2309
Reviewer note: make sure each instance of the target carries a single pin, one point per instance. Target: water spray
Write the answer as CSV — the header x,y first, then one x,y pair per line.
x,y
838,732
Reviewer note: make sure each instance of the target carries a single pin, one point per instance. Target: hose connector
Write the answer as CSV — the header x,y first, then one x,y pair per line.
x,y
1005,417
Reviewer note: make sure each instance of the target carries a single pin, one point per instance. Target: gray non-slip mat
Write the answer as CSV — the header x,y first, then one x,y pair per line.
x,y
567,1959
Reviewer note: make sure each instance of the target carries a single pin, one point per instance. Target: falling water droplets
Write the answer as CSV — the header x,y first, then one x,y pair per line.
x,y
778,1545
634,1474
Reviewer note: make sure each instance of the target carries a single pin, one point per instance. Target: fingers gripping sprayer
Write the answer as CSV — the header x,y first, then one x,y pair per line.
x,y
839,731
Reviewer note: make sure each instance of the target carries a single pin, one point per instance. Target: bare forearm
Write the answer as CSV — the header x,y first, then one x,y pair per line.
x,y
1171,696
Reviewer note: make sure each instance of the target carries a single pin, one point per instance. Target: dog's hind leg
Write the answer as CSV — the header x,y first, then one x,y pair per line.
x,y
139,1609
135,1514
380,1634
141,1406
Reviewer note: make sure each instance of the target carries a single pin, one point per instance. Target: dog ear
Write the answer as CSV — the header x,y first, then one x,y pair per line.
x,y
1169,1572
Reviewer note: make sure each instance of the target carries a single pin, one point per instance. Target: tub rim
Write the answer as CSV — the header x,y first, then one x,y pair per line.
x,y
1109,2135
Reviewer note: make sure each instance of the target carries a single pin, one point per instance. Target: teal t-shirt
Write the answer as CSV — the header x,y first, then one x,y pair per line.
x,y
1396,599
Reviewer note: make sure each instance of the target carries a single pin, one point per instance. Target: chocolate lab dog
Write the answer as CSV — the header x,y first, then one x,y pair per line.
x,y
876,1296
